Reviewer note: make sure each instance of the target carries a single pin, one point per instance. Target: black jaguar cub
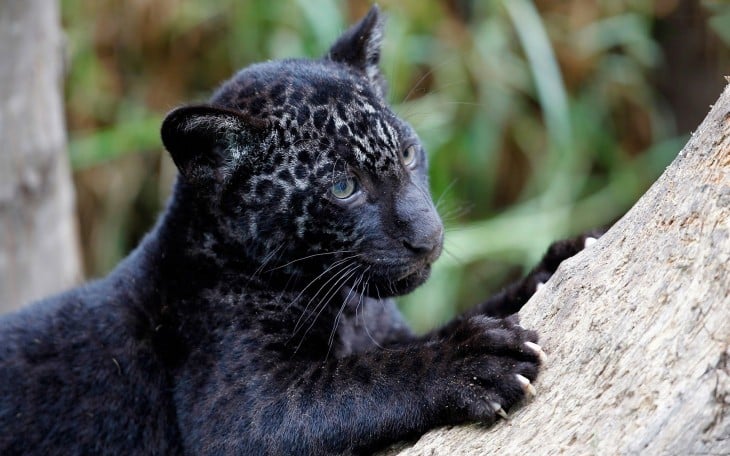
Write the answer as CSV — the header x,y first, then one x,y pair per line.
x,y
256,316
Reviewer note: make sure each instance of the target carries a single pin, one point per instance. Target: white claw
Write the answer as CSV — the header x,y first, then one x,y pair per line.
x,y
498,409
526,385
539,286
538,350
589,242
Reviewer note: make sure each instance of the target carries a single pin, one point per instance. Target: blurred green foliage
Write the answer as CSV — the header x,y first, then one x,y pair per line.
x,y
541,118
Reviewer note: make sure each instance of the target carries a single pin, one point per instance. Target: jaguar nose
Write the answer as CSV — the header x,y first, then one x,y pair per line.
x,y
426,245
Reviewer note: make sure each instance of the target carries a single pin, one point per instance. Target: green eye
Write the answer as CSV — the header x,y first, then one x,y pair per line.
x,y
409,155
344,188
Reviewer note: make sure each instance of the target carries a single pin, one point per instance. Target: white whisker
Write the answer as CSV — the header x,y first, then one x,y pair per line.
x,y
335,289
308,257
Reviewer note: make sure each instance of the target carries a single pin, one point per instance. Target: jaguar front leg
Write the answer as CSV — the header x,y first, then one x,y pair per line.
x,y
474,370
511,299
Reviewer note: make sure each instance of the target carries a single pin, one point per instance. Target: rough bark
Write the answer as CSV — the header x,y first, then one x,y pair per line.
x,y
38,242
637,328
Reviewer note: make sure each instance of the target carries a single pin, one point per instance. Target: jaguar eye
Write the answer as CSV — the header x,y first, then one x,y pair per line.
x,y
344,188
409,155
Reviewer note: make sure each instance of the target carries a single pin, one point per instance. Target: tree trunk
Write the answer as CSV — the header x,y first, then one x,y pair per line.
x,y
636,328
38,242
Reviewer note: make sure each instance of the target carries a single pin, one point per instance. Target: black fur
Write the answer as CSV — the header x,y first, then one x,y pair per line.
x,y
256,318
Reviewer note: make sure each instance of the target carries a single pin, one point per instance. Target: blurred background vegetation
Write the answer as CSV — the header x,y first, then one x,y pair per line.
x,y
542,118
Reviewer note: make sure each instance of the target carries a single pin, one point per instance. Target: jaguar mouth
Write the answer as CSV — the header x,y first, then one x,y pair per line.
x,y
396,270
398,279
411,270
408,281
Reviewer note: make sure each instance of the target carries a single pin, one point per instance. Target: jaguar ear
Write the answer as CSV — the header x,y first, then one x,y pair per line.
x,y
359,46
208,142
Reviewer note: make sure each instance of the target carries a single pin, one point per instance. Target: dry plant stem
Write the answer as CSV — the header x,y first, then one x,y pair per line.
x,y
636,327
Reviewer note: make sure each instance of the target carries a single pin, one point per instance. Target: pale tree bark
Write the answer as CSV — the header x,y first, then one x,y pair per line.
x,y
38,241
636,327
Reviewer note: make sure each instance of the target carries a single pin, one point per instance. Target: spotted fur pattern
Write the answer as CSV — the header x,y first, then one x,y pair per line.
x,y
256,317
